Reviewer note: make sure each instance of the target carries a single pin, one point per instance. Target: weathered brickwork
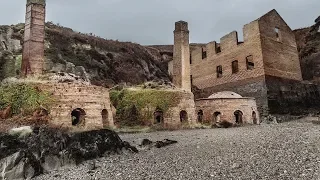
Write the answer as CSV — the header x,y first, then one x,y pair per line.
x,y
226,108
172,118
258,67
33,46
181,58
94,101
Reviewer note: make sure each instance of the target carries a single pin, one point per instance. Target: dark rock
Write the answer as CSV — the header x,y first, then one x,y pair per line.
x,y
50,149
223,124
157,144
166,142
21,165
9,145
146,142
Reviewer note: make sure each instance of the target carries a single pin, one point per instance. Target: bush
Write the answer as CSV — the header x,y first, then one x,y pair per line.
x,y
139,105
23,98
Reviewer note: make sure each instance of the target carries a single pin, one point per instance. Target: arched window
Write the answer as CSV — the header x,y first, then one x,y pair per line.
x,y
216,117
238,117
254,118
105,118
78,116
200,116
158,116
183,116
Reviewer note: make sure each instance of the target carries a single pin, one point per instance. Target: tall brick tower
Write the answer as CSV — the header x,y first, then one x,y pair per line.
x,y
181,56
33,45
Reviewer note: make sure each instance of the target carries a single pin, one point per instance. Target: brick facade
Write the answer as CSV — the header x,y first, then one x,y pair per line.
x,y
181,58
93,100
33,46
266,59
226,109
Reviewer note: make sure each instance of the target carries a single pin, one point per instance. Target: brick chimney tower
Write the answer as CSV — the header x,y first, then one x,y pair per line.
x,y
33,45
181,56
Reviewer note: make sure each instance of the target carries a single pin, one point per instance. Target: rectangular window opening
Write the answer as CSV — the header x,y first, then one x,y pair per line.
x,y
204,54
219,71
250,63
235,67
190,59
218,50
277,31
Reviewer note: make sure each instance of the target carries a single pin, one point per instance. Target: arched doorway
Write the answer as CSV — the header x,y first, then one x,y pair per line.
x,y
105,120
78,116
238,117
216,117
158,116
183,116
200,116
254,118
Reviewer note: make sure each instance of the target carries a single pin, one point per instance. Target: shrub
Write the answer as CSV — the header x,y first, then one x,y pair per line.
x,y
24,98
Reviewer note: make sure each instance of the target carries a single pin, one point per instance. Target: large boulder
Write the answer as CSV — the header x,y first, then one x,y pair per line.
x,y
47,149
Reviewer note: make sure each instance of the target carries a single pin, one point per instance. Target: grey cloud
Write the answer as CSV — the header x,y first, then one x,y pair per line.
x,y
152,21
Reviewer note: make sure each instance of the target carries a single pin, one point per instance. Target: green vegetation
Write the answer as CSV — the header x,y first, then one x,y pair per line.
x,y
24,98
136,107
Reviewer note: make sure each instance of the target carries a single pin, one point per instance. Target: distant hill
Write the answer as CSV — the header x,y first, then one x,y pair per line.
x,y
105,62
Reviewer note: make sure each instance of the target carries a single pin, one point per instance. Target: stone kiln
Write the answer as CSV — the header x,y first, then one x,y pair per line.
x,y
227,106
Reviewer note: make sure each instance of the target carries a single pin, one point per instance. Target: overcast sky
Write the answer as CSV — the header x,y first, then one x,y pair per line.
x,y
152,21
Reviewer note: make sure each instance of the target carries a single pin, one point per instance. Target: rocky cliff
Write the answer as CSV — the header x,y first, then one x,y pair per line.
x,y
308,40
103,62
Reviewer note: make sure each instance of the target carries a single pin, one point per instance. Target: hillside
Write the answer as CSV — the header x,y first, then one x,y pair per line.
x,y
308,40
103,62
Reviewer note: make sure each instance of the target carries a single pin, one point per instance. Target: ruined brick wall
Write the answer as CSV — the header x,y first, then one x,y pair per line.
x,y
227,108
279,47
187,103
68,97
204,69
33,46
181,56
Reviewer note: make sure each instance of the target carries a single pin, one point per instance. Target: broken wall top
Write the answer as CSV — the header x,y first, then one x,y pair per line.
x,y
41,2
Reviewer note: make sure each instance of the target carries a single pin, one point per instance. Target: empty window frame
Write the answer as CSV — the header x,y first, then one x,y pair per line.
x,y
277,33
235,67
219,71
204,53
250,63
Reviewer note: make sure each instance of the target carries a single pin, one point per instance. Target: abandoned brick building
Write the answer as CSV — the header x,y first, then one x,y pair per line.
x,y
222,106
265,66
76,103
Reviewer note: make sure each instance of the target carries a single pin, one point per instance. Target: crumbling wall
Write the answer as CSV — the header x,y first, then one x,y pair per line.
x,y
279,47
204,68
70,96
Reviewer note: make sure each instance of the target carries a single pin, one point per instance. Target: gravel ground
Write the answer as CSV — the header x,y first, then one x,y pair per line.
x,y
284,151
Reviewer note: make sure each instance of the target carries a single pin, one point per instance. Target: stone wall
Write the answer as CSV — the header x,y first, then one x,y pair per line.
x,y
172,116
92,99
204,69
279,47
291,96
227,108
